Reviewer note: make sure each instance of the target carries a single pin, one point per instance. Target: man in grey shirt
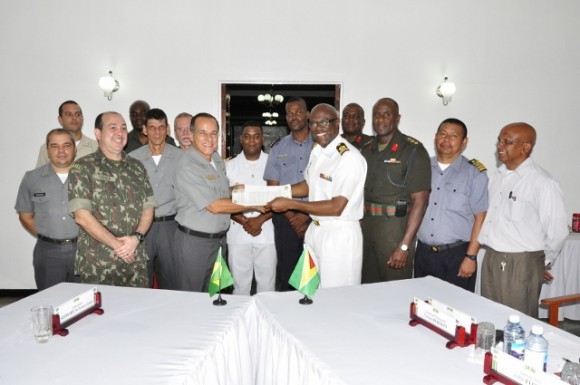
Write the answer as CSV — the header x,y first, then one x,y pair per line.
x,y
42,206
70,117
160,159
203,206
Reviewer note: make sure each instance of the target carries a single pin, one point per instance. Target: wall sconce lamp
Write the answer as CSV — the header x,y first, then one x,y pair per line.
x,y
446,91
109,85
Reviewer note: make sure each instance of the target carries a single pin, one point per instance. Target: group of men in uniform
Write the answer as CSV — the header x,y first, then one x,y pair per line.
x,y
368,208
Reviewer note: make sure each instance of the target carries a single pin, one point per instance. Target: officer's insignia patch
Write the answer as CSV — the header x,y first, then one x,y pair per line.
x,y
478,165
412,140
342,148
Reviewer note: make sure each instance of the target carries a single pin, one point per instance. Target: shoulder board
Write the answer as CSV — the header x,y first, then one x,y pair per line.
x,y
412,140
274,142
342,148
478,165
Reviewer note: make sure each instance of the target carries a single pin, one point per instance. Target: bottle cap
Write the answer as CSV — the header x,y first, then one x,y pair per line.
x,y
537,330
514,318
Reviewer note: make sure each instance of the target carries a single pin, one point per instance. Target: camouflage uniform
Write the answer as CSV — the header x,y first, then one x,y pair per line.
x,y
116,193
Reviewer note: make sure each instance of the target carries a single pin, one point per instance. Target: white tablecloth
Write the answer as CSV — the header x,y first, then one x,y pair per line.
x,y
360,335
566,272
144,337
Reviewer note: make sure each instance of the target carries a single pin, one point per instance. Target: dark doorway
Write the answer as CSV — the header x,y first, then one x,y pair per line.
x,y
240,104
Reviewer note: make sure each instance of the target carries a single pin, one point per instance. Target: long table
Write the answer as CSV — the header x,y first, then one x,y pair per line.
x,y
350,335
566,272
145,336
360,335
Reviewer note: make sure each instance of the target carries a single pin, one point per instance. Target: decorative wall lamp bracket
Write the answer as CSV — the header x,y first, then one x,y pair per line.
x,y
109,85
446,91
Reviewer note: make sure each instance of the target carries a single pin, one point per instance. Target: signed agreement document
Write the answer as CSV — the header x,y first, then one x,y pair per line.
x,y
259,195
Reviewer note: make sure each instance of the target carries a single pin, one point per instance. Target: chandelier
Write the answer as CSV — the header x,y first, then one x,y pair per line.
x,y
270,100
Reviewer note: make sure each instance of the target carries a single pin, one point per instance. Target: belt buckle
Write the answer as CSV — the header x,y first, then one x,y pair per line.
x,y
434,249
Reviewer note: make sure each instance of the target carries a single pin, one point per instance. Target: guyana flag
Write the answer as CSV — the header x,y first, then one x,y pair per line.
x,y
305,277
220,276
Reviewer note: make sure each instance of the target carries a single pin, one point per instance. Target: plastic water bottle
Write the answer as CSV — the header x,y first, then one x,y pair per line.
x,y
536,350
514,337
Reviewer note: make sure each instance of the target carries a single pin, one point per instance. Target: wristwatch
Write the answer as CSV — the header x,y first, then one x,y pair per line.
x,y
139,236
472,257
403,247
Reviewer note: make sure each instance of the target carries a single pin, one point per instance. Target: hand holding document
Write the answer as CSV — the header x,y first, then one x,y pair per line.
x,y
252,195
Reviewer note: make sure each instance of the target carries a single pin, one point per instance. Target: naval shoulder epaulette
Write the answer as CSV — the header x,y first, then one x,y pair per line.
x,y
342,148
413,141
478,165
274,142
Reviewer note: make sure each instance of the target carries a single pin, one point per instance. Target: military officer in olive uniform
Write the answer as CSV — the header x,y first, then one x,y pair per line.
x,y
353,122
396,195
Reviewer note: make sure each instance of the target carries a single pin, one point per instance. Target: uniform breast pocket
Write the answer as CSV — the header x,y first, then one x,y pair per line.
x,y
456,199
40,198
396,174
518,210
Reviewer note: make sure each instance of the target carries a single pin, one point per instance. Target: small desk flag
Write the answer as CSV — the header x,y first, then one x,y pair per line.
x,y
305,277
220,276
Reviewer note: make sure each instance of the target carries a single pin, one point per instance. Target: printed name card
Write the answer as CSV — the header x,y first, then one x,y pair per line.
x,y
443,319
74,309
502,367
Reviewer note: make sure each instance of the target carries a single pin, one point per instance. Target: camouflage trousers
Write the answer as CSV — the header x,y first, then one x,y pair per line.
x,y
125,276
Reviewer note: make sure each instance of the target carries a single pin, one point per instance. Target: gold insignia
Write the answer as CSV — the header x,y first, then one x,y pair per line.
x,y
478,165
212,177
342,148
412,140
274,142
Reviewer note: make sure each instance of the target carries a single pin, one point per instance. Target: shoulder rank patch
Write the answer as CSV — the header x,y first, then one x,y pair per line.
x,y
478,165
412,140
342,148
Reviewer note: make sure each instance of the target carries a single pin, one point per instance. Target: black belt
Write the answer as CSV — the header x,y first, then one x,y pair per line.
x,y
57,241
164,219
438,248
201,234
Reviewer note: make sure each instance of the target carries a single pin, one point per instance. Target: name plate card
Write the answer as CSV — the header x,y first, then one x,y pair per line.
x,y
74,309
461,318
502,367
451,323
435,316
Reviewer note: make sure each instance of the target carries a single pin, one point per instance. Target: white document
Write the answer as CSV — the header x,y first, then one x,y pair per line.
x,y
260,195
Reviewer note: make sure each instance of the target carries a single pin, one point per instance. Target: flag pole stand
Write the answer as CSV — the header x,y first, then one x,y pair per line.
x,y
305,301
220,301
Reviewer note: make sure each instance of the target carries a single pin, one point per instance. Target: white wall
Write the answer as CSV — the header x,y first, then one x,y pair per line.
x,y
511,61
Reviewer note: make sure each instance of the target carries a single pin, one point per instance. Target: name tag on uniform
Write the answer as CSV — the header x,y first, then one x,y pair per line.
x,y
327,177
212,177
41,194
108,178
283,156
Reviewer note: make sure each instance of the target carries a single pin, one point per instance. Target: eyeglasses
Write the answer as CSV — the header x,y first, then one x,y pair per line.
x,y
321,123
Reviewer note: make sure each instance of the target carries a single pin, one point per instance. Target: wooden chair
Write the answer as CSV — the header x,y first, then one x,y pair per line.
x,y
554,306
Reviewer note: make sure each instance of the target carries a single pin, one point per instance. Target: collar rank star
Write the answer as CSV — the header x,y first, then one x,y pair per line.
x,y
342,148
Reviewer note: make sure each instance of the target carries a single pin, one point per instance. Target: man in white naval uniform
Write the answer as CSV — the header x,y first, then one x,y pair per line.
x,y
335,188
250,238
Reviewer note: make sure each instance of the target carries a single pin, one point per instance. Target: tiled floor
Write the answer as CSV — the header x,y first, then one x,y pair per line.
x,y
568,325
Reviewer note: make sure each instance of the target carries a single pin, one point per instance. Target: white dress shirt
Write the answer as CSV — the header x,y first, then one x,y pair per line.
x,y
526,211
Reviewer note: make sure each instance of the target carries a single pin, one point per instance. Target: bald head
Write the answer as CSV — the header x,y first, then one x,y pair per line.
x,y
515,144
